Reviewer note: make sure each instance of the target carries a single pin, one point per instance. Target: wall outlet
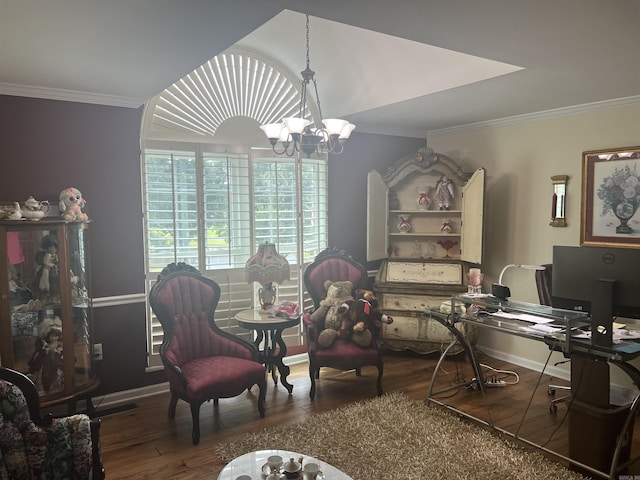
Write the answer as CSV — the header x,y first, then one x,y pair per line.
x,y
97,351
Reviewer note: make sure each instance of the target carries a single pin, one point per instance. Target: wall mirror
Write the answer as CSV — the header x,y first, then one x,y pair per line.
x,y
558,201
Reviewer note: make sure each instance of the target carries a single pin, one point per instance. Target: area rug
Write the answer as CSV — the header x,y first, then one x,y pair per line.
x,y
396,438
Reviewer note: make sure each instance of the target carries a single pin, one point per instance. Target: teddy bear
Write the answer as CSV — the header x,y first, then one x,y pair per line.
x,y
71,203
368,318
330,314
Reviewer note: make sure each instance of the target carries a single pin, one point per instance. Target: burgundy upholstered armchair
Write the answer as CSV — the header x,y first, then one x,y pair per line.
x,y
202,362
337,265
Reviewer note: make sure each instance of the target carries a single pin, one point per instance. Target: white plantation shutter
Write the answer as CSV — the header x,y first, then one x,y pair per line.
x,y
211,210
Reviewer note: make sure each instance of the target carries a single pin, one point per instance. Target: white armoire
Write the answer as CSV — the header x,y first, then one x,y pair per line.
x,y
427,237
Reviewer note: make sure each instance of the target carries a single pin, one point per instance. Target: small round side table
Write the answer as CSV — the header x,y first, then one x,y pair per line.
x,y
269,335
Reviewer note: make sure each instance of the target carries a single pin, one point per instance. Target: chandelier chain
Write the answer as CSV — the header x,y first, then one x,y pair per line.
x,y
328,135
307,40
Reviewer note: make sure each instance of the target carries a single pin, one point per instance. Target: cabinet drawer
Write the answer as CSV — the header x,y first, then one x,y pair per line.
x,y
424,272
415,328
417,303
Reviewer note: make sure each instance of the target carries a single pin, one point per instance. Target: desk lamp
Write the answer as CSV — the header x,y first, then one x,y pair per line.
x,y
502,291
265,267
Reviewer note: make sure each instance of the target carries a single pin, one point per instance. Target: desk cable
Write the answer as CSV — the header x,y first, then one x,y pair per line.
x,y
546,363
495,380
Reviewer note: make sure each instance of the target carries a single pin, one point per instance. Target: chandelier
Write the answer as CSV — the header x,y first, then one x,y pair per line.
x,y
297,134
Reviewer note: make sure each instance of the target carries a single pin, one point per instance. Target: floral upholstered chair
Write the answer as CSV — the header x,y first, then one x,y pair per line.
x,y
336,265
38,448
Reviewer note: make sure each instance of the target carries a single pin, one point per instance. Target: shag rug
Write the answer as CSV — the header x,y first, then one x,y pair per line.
x,y
394,437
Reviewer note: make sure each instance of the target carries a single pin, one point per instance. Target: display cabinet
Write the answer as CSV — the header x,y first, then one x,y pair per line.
x,y
425,219
45,315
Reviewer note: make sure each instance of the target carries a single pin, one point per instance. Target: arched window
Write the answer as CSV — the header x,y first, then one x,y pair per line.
x,y
209,201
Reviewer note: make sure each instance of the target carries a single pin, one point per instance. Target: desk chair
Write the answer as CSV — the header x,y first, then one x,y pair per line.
x,y
543,282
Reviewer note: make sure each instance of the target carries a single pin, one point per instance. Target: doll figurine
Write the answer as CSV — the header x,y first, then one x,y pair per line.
x,y
444,193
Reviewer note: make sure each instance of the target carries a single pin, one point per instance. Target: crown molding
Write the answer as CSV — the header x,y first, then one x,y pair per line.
x,y
378,130
543,115
69,95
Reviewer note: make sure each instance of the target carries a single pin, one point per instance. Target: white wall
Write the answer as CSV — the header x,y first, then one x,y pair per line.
x,y
520,157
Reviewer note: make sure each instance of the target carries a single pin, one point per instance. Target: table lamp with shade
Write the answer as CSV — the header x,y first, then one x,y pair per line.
x,y
266,267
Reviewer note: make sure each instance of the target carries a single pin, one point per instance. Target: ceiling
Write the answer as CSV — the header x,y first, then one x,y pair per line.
x,y
405,67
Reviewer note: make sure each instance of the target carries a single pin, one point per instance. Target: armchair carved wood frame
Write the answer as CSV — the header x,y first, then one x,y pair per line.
x,y
336,265
202,362
35,446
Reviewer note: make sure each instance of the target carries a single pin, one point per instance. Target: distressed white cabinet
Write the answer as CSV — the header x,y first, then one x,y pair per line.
x,y
427,242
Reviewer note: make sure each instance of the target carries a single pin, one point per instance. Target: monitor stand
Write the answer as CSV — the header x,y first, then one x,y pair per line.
x,y
602,312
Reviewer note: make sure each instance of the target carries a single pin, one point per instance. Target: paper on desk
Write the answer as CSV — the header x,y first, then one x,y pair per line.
x,y
523,316
624,334
618,335
539,327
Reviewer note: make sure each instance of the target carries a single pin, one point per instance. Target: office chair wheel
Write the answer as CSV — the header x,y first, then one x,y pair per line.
x,y
551,391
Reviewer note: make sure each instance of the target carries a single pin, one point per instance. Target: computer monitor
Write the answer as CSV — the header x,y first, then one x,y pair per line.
x,y
602,281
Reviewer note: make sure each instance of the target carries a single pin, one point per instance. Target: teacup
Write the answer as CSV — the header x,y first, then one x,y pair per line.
x,y
275,461
311,471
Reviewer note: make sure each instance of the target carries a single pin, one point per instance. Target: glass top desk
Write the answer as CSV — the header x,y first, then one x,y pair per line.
x,y
559,329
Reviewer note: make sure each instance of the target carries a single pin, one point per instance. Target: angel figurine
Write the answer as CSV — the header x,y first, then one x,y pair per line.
x,y
444,193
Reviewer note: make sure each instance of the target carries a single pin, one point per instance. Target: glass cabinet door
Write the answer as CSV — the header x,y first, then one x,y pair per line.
x,y
46,322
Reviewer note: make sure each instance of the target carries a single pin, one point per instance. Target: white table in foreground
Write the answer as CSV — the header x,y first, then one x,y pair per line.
x,y
251,464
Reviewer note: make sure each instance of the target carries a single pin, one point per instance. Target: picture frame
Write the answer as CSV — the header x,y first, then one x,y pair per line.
x,y
610,198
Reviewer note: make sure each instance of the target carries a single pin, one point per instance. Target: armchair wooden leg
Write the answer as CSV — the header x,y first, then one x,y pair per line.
x,y
195,417
98,468
262,393
313,374
379,382
172,405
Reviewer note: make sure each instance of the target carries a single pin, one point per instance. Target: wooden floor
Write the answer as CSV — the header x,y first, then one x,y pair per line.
x,y
141,443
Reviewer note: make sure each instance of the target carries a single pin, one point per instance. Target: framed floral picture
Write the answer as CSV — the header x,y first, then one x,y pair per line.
x,y
610,198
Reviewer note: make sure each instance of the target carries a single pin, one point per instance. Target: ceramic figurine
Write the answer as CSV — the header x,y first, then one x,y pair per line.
x,y
446,226
444,193
423,198
35,210
404,226
14,213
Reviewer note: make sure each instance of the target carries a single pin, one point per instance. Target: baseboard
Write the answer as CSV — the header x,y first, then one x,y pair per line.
x,y
552,370
127,396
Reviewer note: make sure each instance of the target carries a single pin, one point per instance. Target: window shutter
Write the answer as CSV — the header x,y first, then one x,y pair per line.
x,y
211,210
